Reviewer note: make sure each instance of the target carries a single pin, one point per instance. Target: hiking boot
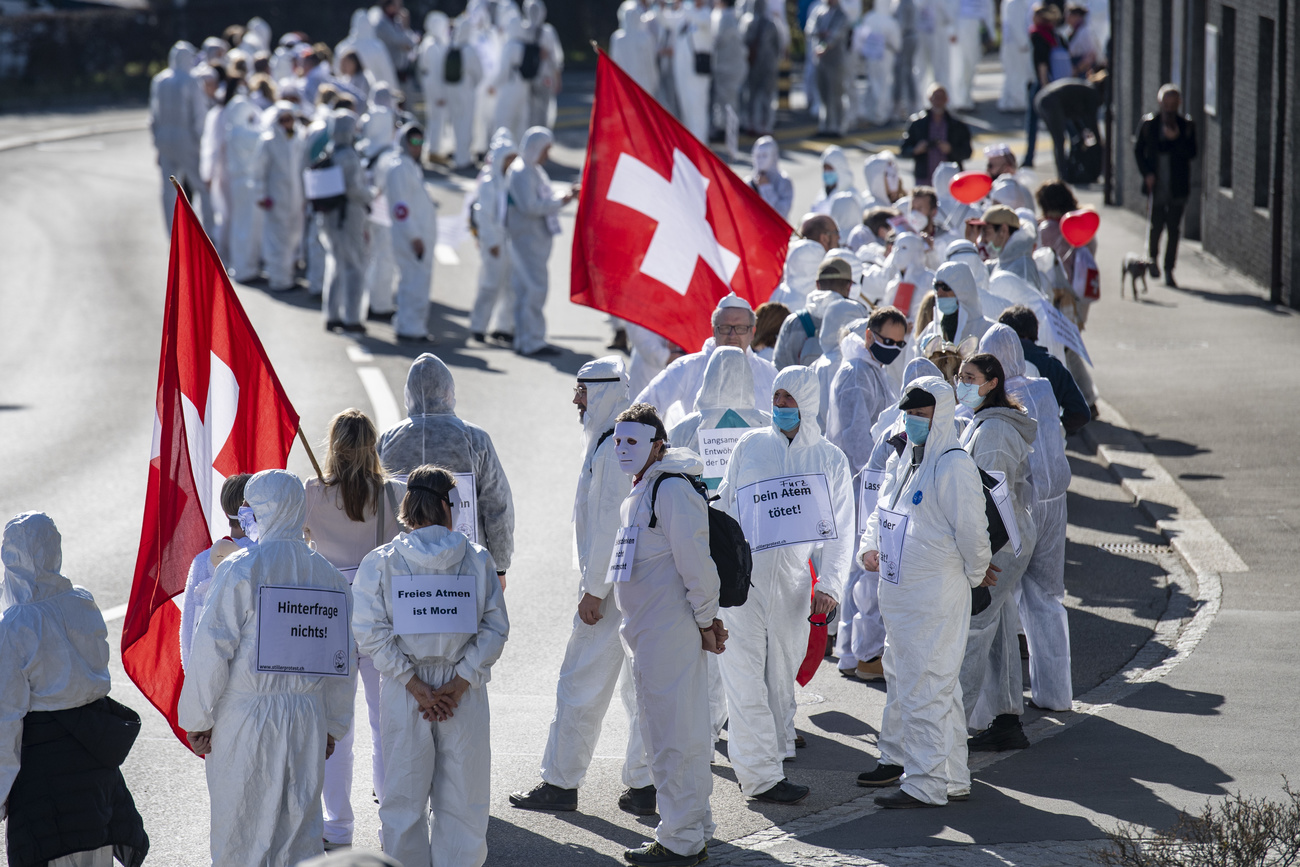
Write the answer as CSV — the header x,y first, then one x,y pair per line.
x,y
784,792
872,669
883,775
1005,733
653,853
639,802
546,797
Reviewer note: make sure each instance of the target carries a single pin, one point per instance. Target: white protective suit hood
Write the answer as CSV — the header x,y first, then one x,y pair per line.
x,y
430,388
881,173
181,57
32,549
606,382
345,129
943,429
1017,257
942,181
728,381
908,254
968,254
835,157
803,386
437,26
279,504
535,12
846,211
836,317
501,148
361,28
1010,192
961,281
765,153
382,96
1004,344
800,278
534,141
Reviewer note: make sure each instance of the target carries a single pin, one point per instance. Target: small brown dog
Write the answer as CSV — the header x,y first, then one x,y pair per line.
x,y
1135,268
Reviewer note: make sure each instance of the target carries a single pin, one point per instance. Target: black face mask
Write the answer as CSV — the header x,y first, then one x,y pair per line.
x,y
884,354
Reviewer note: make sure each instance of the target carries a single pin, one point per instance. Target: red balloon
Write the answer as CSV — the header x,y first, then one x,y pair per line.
x,y
969,187
1078,227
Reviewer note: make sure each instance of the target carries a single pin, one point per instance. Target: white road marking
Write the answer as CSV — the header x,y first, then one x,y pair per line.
x,y
381,397
445,255
359,355
111,614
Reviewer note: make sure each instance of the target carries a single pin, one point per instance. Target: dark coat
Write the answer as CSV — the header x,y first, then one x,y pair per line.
x,y
1182,150
918,130
1074,408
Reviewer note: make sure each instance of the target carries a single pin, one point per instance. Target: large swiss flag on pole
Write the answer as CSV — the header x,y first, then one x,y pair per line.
x,y
664,227
220,411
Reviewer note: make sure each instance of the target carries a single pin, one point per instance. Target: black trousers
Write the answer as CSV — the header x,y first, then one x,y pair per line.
x,y
1166,215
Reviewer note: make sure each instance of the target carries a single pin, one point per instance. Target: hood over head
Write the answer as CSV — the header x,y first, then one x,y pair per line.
x,y
606,382
437,26
943,432
801,263
835,157
1019,252
181,57
279,504
835,318
805,387
32,552
430,388
846,212
881,172
919,367
765,154
961,281
345,129
535,12
501,148
728,381
629,17
677,460
1004,344
382,96
361,28
1010,192
942,180
535,140
966,253
908,253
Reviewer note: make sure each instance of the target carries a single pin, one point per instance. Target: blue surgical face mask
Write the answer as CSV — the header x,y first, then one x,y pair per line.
x,y
248,523
830,178
884,354
969,395
786,418
918,429
947,305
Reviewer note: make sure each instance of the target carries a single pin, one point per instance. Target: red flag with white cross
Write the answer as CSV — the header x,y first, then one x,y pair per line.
x,y
664,227
221,411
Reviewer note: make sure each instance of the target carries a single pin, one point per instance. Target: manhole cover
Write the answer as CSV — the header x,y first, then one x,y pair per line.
x,y
808,698
1135,548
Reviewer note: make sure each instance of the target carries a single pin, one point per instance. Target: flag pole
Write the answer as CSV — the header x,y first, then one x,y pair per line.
x,y
310,454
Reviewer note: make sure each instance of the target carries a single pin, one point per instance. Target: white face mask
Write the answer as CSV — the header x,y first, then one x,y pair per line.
x,y
248,523
917,220
633,443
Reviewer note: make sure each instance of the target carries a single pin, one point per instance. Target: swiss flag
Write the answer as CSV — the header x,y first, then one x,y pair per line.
x,y
220,411
664,227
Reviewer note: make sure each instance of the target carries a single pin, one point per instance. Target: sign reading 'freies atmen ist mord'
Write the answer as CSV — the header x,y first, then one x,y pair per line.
x,y
788,510
303,630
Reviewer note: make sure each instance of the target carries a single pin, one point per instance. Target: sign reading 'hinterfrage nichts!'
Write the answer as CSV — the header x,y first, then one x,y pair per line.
x,y
303,630
788,510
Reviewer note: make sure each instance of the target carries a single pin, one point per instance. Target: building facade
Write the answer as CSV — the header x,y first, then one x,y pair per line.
x,y
1236,63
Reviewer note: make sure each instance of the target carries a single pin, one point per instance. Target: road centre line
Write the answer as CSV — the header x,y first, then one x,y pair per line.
x,y
382,400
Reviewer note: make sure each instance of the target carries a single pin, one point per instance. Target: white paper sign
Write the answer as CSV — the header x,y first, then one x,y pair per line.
x,y
1002,499
869,492
464,508
1066,332
434,603
303,630
893,531
789,510
620,562
716,446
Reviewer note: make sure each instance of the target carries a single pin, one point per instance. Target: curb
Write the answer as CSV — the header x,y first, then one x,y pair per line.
x,y
1200,554
71,132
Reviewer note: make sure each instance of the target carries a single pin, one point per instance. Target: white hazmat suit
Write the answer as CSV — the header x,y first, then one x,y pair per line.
x,y
532,222
673,392
176,110
282,197
1015,54
493,310
632,47
414,235
800,277
878,39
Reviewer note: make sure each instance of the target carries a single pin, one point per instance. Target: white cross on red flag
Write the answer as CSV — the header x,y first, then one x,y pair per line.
x,y
664,227
221,411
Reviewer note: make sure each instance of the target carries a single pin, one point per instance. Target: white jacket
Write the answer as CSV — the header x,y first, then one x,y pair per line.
x,y
413,212
602,484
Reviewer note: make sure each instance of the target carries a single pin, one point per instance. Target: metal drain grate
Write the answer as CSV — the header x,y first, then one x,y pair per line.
x,y
1135,548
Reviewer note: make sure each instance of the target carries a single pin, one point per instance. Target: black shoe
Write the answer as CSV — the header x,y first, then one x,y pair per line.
x,y
355,328
414,338
334,325
784,792
799,742
1005,733
654,854
639,802
503,336
883,775
1169,280
900,800
544,796
851,673
479,337
547,351
619,343
376,316
1153,269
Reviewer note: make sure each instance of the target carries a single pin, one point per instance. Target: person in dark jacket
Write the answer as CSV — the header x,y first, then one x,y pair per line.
x,y
1068,107
1074,407
933,136
1166,146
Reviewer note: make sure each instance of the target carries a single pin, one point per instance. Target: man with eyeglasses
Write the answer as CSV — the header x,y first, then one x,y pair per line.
x,y
957,311
797,341
673,391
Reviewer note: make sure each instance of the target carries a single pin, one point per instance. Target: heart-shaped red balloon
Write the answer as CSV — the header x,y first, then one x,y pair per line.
x,y
969,187
1078,227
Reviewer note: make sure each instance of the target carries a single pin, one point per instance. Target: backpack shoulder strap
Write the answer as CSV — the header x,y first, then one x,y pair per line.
x,y
654,494
806,320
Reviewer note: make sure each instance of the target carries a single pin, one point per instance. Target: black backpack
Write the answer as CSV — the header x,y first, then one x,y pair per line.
x,y
727,545
332,203
532,62
453,65
982,597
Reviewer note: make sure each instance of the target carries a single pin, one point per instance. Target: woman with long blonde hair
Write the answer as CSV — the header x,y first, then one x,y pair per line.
x,y
352,511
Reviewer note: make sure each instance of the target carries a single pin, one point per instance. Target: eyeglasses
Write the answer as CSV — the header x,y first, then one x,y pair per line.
x,y
886,341
580,391
941,286
733,329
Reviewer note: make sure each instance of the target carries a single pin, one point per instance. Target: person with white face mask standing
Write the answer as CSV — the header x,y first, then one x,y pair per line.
x,y
667,586
768,180
594,658
176,111
792,493
413,234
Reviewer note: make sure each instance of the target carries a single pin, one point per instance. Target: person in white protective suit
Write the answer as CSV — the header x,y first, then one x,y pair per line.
x,y
1016,255
1009,191
379,123
837,177
433,66
435,718
800,276
668,594
176,111
999,438
257,36
955,213
650,354
380,280
672,393
63,797
544,86
344,233
594,659
797,342
930,533
349,514
730,63
772,626
694,38
765,43
203,567
1041,593
374,56
934,24
884,186
264,787
835,321
633,48
846,211
280,175
242,153
968,49
494,309
414,233
959,314
767,179
461,97
877,39
923,215
907,277
511,87
725,401
1016,58
532,222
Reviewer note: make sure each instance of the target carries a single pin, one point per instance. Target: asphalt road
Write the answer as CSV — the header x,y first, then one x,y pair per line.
x,y
82,284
